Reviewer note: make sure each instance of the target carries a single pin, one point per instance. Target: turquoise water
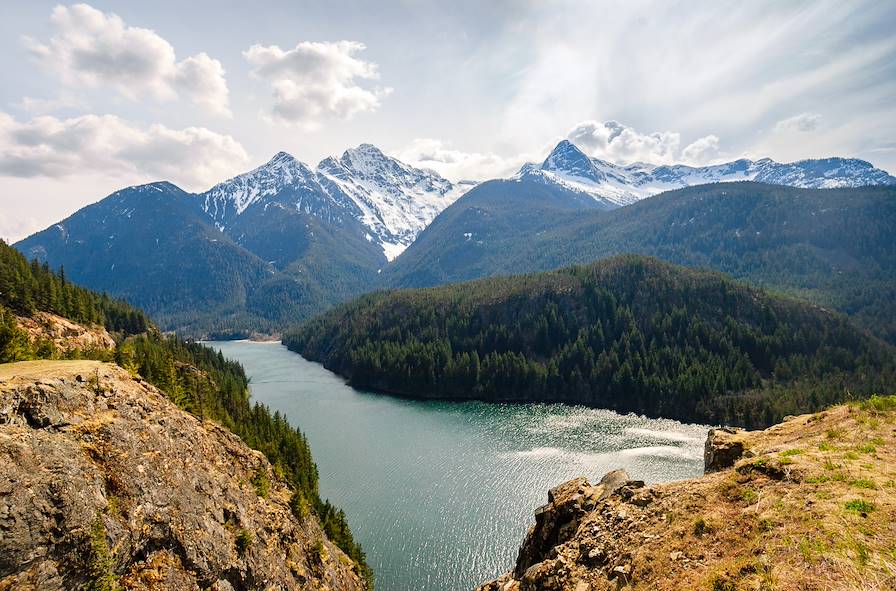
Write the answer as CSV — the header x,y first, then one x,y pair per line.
x,y
440,494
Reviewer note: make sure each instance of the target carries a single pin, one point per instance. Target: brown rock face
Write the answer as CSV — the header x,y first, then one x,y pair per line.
x,y
109,484
724,446
65,334
558,521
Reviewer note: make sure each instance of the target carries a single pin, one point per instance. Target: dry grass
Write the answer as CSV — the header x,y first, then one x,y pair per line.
x,y
814,509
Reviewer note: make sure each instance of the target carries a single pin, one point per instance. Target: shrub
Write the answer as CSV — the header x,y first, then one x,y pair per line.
x,y
319,550
300,506
749,496
102,575
878,404
701,527
863,483
723,583
262,483
243,541
860,506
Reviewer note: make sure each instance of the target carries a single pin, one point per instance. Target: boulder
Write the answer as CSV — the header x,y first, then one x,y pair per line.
x,y
724,446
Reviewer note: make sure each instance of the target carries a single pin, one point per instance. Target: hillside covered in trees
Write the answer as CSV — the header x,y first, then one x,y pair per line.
x,y
193,376
834,247
628,333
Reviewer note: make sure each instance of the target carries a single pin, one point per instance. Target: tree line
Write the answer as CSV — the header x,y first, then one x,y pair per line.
x,y
27,287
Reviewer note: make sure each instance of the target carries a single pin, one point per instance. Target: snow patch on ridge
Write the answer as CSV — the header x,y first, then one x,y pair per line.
x,y
619,185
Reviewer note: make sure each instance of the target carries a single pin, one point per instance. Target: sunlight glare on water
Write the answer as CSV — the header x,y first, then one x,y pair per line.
x,y
440,494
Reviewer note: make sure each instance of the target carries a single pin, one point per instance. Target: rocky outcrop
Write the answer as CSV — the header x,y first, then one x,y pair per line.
x,y
65,334
806,504
106,484
558,521
723,447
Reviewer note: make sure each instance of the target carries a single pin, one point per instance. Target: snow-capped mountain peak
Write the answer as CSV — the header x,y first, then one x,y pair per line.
x,y
568,160
233,196
615,185
393,200
396,200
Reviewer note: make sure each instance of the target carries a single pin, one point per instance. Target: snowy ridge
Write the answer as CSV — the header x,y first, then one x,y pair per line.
x,y
617,185
393,200
232,197
397,201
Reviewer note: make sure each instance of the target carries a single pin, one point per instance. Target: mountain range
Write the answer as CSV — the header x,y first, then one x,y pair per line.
x,y
277,243
285,241
615,185
392,201
833,247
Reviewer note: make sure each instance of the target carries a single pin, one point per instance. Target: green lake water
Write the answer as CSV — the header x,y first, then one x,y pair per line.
x,y
440,494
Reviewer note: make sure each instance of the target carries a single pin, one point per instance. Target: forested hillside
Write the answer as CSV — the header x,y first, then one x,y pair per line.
x,y
629,333
28,286
833,247
476,235
195,377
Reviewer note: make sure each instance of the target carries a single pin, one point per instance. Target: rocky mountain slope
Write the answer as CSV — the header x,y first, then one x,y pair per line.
x,y
66,336
43,316
614,185
105,483
807,504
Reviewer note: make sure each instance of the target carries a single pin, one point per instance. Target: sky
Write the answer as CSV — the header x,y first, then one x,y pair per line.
x,y
99,96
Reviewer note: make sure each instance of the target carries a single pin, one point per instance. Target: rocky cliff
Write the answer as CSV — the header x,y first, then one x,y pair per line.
x,y
64,334
105,484
807,504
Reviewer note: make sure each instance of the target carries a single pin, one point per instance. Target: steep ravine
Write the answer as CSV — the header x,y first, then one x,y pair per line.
x,y
808,504
105,484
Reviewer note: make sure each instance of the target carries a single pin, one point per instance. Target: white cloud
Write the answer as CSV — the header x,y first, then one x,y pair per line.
x,y
96,49
193,157
42,105
619,143
16,225
701,151
317,81
456,164
803,122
